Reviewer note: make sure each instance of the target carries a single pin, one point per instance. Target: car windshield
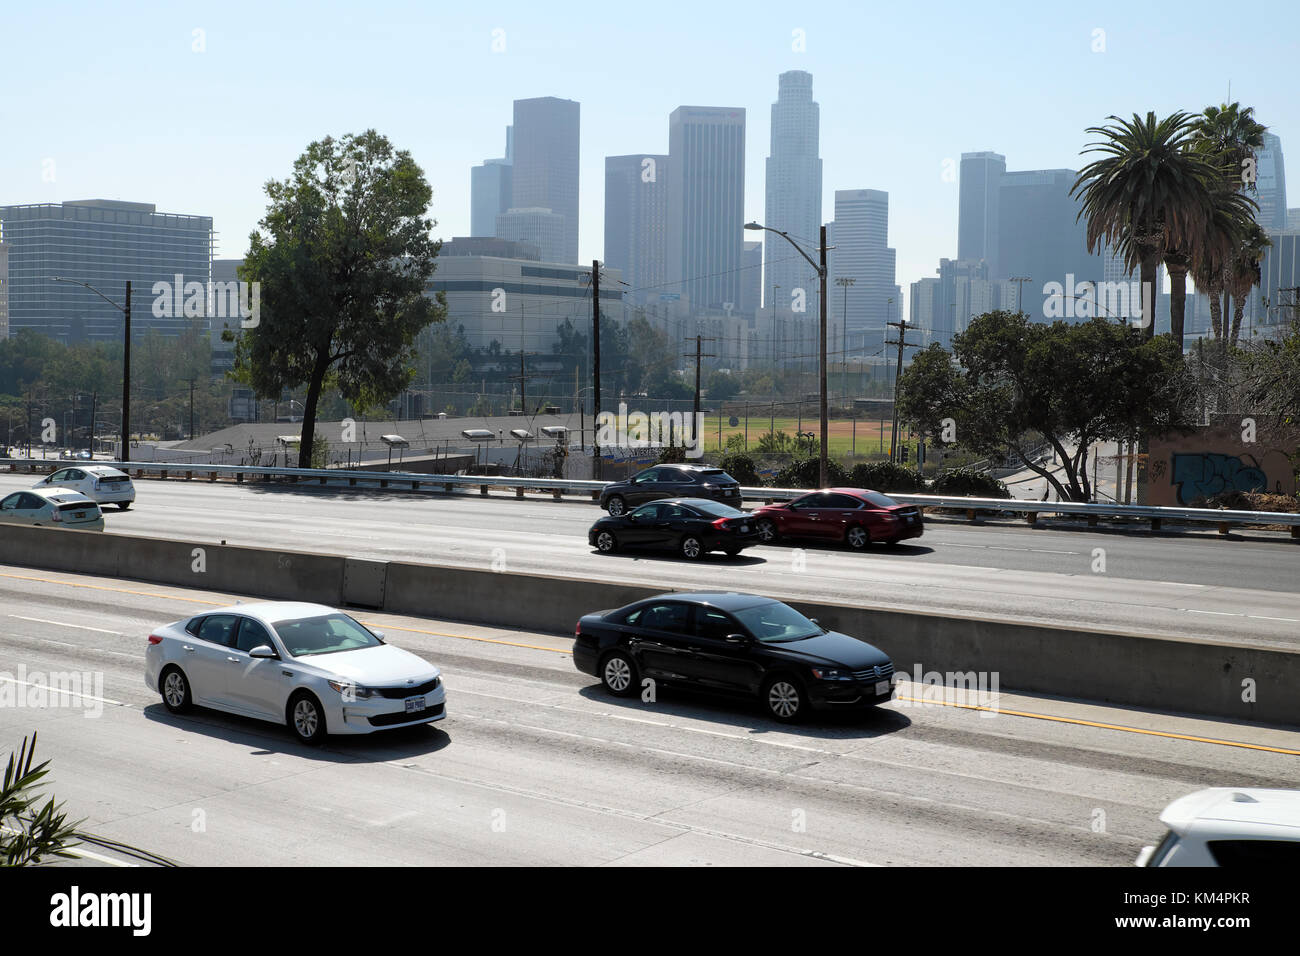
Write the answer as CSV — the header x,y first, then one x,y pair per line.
x,y
776,623
324,635
879,500
716,508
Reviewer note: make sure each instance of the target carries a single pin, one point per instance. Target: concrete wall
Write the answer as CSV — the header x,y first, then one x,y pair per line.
x,y
1163,673
1186,469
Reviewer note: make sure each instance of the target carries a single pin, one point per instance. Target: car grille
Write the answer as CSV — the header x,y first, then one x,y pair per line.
x,y
387,720
879,672
401,693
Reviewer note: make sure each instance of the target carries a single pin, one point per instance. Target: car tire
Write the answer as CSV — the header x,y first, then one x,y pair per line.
x,y
767,532
784,699
616,506
692,548
175,689
892,542
858,537
732,552
618,674
306,718
123,505
606,543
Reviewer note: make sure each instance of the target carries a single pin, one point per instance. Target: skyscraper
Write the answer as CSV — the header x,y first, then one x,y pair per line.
x,y
636,221
1293,220
706,203
491,190
751,280
977,207
541,227
794,180
545,173
1271,185
861,253
4,291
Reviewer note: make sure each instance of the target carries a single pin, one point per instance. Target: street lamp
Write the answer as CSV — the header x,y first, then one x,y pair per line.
x,y
126,356
824,478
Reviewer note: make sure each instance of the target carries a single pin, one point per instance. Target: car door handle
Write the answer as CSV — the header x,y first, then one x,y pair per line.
x,y
233,659
188,648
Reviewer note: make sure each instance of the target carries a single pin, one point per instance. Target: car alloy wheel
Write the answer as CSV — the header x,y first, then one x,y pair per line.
x,y
766,530
306,719
858,538
605,542
176,691
619,674
784,700
692,548
617,506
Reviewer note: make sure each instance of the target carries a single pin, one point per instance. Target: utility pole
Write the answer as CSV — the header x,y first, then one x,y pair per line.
x,y
825,428
898,372
1020,285
126,376
844,282
595,367
192,381
699,341
94,400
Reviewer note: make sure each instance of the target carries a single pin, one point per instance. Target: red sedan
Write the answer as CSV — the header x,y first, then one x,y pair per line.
x,y
853,515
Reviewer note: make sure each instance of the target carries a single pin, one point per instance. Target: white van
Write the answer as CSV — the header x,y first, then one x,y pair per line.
x,y
1229,826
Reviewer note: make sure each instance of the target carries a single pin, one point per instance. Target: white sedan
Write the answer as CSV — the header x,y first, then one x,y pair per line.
x,y
99,483
308,666
51,509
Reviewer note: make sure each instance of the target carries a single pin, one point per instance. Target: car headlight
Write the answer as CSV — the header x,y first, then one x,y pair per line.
x,y
831,673
353,691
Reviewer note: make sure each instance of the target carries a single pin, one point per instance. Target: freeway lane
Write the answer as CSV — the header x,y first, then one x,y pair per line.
x,y
536,765
1196,586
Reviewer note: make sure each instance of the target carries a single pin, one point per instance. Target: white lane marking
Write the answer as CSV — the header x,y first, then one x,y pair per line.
x,y
90,855
1192,610
59,690
1262,617
41,620
1048,551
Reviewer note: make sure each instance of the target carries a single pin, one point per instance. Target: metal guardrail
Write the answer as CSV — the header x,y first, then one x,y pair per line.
x,y
558,487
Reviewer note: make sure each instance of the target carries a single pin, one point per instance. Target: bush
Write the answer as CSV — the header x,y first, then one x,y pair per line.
x,y
806,473
969,483
887,476
320,451
741,467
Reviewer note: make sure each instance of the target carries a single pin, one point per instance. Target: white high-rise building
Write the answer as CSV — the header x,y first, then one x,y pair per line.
x,y
491,190
794,184
545,173
1270,185
861,253
706,204
542,227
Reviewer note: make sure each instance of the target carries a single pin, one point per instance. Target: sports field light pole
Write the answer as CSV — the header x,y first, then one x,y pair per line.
x,y
126,357
823,478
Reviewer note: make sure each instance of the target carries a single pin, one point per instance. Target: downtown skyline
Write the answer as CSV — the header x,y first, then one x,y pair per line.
x,y
948,108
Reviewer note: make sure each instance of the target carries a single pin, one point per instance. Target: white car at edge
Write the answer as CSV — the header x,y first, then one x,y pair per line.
x,y
100,483
1229,826
308,666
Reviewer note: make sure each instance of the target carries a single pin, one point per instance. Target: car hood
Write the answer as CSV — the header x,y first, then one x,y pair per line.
x,y
833,648
373,666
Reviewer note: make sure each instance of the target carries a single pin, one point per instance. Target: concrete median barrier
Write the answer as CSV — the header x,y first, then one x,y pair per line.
x,y
1252,682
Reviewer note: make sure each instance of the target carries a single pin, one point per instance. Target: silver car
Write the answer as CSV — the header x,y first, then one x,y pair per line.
x,y
51,509
100,483
308,666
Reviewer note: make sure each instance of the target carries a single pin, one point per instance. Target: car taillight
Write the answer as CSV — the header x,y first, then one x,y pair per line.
x,y
577,629
722,524
96,484
155,639
56,516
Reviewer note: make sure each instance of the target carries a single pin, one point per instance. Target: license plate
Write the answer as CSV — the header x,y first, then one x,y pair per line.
x,y
79,514
882,688
744,528
414,704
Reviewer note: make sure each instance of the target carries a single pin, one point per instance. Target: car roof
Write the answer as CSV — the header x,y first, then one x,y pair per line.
x,y
1236,811
273,612
687,501
723,600
101,469
58,495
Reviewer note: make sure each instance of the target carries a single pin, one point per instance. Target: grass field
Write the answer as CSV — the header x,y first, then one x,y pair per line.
x,y
871,437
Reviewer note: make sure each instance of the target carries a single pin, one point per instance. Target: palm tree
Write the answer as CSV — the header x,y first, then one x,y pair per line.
x,y
1149,197
1230,135
1243,274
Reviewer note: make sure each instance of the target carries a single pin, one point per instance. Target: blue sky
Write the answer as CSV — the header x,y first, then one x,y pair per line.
x,y
114,101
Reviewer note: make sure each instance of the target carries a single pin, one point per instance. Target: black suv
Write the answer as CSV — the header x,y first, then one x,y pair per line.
x,y
670,481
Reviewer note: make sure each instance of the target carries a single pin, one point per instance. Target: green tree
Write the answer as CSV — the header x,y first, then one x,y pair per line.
x,y
30,832
1152,198
1074,384
344,256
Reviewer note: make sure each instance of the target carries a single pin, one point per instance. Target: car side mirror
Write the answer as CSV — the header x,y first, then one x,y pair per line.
x,y
819,627
262,652
375,631
737,638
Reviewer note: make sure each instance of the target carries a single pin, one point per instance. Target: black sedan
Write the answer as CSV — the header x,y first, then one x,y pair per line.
x,y
739,644
690,526
670,481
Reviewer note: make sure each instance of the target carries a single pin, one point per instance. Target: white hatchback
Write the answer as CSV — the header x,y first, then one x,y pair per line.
x,y
51,509
100,483
308,666
1229,826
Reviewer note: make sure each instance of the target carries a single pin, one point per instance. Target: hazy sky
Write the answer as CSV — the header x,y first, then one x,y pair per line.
x,y
128,101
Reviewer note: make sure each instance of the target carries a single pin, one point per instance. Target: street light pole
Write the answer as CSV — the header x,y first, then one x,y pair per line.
x,y
821,274
126,356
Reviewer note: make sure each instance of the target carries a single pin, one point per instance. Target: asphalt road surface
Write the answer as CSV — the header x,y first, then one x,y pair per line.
x,y
1198,585
535,764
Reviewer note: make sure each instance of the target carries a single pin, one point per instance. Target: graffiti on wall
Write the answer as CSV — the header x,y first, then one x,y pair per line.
x,y
1200,475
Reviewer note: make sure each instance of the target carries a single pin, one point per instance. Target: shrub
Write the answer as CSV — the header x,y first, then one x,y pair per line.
x,y
887,476
969,483
806,473
741,467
